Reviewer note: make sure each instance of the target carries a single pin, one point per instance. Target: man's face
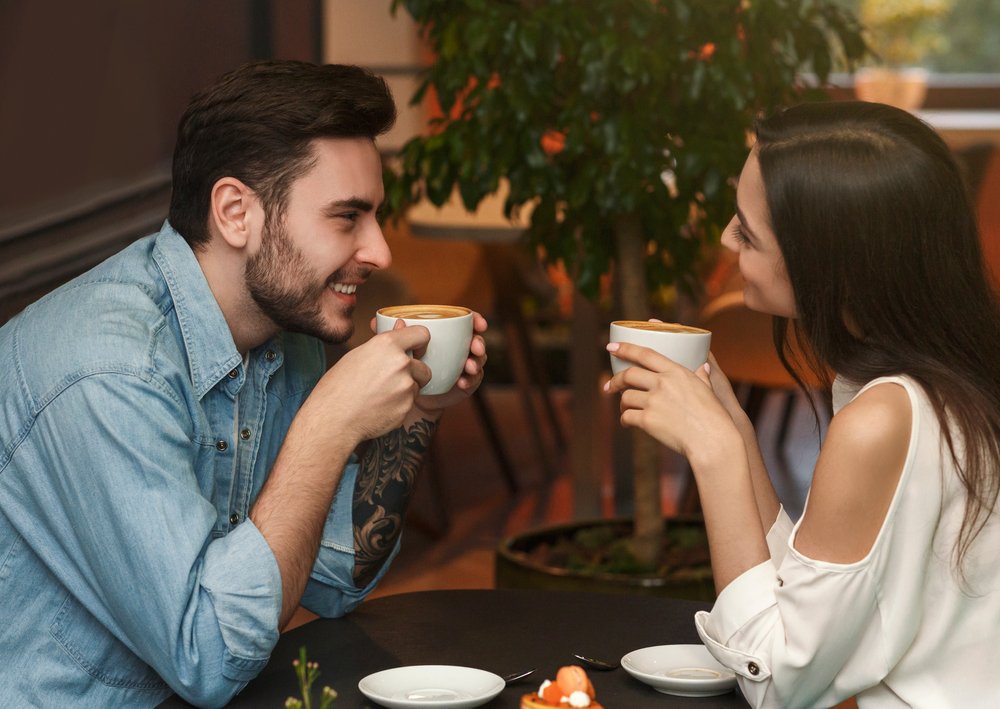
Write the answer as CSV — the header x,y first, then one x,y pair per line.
x,y
304,275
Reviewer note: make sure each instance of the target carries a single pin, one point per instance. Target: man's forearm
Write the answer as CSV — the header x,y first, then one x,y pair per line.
x,y
292,508
386,477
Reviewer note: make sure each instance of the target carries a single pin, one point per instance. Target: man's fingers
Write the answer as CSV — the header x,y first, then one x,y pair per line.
x,y
420,372
413,338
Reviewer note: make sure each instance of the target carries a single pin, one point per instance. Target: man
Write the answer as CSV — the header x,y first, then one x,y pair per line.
x,y
177,472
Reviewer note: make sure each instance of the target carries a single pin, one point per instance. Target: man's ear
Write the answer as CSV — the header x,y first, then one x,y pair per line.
x,y
234,212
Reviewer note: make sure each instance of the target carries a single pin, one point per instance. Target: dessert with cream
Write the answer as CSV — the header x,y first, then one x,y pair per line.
x,y
571,688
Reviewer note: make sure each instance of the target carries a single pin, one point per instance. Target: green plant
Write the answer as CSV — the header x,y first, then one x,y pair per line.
x,y
624,124
308,673
902,32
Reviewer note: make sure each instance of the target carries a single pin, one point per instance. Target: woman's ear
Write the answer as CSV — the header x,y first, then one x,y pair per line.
x,y
233,212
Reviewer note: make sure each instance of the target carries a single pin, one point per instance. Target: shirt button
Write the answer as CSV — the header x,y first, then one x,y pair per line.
x,y
234,518
270,356
221,445
245,434
753,669
233,374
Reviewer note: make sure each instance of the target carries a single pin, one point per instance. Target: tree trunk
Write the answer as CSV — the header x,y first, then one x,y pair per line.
x,y
633,296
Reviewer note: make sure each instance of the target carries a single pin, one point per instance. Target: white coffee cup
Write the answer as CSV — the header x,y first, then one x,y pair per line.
x,y
686,345
451,335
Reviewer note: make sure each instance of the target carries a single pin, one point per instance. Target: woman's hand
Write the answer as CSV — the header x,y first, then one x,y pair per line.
x,y
679,408
727,397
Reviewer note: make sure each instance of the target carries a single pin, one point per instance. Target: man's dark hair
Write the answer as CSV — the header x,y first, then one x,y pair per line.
x,y
257,124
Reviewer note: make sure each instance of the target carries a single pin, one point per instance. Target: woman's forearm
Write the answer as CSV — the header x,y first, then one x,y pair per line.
x,y
763,489
727,489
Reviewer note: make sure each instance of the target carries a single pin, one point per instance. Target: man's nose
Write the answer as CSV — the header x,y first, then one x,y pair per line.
x,y
375,250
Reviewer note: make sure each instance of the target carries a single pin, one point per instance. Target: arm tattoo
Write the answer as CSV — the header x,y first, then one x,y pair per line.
x,y
385,480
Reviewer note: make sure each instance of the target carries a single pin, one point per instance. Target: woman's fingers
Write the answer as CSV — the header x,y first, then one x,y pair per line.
x,y
643,356
633,399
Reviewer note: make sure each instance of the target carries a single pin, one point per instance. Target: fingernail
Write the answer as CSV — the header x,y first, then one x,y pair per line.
x,y
607,385
612,347
708,368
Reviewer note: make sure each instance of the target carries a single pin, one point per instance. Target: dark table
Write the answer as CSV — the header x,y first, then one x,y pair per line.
x,y
496,630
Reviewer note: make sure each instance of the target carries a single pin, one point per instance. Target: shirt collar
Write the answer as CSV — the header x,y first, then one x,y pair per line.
x,y
209,343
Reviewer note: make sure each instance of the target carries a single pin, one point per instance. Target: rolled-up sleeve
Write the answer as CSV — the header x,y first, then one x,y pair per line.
x,y
246,598
331,592
802,633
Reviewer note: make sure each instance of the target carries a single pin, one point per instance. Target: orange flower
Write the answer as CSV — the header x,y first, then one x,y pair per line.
x,y
494,81
706,51
553,142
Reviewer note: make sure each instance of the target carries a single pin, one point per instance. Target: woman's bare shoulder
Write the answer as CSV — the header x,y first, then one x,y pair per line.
x,y
857,474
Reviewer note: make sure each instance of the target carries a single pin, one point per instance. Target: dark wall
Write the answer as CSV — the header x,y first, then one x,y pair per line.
x,y
90,95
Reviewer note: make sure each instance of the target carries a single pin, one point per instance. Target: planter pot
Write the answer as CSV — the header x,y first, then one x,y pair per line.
x,y
902,88
517,567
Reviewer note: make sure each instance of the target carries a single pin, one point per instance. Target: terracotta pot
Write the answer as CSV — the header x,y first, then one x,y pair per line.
x,y
902,88
514,568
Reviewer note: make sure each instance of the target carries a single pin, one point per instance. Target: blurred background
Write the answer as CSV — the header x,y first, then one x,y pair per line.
x,y
90,95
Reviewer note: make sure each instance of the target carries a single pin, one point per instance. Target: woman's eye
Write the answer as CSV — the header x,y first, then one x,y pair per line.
x,y
740,235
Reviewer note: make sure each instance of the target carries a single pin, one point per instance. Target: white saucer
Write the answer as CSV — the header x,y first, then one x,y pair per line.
x,y
683,670
431,686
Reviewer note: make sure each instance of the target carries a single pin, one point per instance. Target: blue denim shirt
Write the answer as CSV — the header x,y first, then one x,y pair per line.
x,y
133,441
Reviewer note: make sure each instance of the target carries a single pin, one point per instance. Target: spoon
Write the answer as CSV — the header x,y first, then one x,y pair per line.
x,y
515,676
597,664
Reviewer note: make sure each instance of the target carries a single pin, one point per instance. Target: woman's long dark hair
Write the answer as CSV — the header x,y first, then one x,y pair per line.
x,y
880,242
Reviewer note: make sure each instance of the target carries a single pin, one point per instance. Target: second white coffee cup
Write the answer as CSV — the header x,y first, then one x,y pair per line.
x,y
451,335
688,346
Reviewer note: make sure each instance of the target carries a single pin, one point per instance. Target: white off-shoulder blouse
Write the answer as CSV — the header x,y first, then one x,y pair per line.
x,y
899,628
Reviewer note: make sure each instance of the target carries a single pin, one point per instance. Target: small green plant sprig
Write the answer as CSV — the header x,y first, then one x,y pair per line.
x,y
308,673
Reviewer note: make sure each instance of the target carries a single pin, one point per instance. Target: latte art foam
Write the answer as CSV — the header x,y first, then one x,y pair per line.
x,y
424,312
660,326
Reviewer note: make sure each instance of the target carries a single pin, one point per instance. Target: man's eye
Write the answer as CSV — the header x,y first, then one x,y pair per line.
x,y
349,216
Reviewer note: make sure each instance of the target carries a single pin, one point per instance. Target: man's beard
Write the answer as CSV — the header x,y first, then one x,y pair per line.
x,y
287,290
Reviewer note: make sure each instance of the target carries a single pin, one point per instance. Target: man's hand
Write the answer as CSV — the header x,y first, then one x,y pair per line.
x,y
370,390
472,376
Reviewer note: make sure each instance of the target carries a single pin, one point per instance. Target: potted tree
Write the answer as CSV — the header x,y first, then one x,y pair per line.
x,y
623,122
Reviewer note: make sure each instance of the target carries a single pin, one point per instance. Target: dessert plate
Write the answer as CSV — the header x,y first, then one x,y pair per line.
x,y
683,670
431,686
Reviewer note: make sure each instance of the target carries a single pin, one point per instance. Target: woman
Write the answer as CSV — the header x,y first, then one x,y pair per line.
x,y
853,225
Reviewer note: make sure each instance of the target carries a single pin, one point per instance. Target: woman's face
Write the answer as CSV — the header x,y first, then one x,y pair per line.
x,y
766,286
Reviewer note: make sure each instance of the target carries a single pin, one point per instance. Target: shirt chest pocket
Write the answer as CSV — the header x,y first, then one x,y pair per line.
x,y
96,651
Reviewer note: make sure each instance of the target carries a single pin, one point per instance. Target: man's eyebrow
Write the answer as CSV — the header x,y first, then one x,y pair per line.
x,y
358,203
743,222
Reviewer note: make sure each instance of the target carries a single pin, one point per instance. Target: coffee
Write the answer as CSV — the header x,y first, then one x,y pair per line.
x,y
424,312
659,326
